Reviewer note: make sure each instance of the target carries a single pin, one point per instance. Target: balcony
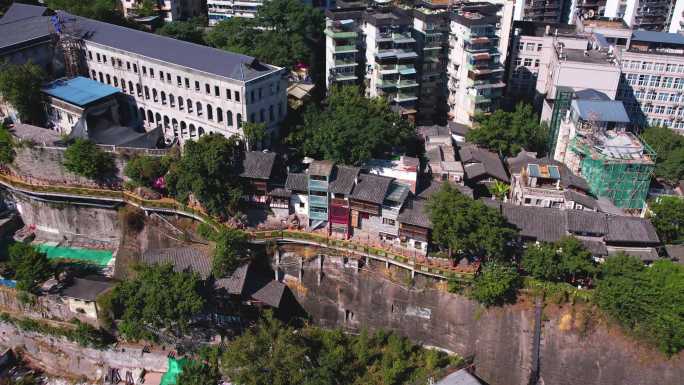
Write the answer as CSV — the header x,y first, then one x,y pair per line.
x,y
407,83
396,53
343,77
479,98
346,48
346,63
337,33
397,37
318,201
405,97
318,185
388,83
318,216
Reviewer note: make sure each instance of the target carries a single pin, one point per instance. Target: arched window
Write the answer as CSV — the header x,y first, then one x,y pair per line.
x,y
189,105
147,92
184,131
139,88
158,119
239,120
142,113
109,79
200,131
154,94
180,103
101,77
166,122
172,100
229,118
163,97
199,109
130,87
116,82
219,114
123,85
210,112
93,74
150,117
192,130
174,124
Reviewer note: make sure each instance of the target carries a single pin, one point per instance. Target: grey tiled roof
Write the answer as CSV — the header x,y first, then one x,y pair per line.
x,y
182,259
371,188
87,288
646,254
490,163
461,377
321,168
580,221
675,251
19,11
542,224
623,229
234,284
271,294
297,182
594,245
343,179
280,192
415,213
583,199
25,30
434,186
258,165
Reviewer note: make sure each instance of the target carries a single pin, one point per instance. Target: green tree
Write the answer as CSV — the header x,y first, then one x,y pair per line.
x,y
208,169
500,190
29,266
667,216
145,170
468,227
284,33
254,133
352,129
7,152
669,147
230,251
648,302
509,132
146,8
20,86
198,373
576,261
560,261
496,284
84,158
542,261
103,10
183,30
156,298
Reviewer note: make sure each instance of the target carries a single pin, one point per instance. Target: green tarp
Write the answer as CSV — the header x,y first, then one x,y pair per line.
x,y
97,257
175,369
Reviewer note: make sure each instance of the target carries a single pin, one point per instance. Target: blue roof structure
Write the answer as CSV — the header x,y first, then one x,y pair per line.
x,y
79,91
658,37
601,110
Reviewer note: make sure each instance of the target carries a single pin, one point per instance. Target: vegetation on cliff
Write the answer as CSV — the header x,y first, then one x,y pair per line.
x,y
496,284
84,158
20,86
28,266
146,170
564,261
7,152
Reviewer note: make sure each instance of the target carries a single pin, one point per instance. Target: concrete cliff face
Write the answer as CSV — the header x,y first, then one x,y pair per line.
x,y
500,340
62,219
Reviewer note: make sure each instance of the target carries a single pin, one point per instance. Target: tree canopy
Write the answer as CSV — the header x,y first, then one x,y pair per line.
x,y
230,251
509,132
7,152
351,129
276,354
29,266
84,158
669,147
20,86
648,302
198,373
496,284
560,261
667,216
145,170
183,30
468,227
156,298
208,169
103,10
284,33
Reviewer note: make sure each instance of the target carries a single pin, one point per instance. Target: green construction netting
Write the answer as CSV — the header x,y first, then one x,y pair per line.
x,y
175,369
97,257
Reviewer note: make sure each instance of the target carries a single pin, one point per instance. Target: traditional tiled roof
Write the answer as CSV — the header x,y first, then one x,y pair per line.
x,y
271,294
182,259
675,252
258,165
646,254
297,182
280,192
234,284
568,179
371,188
88,288
434,186
594,245
623,229
538,223
321,168
489,163
583,199
580,221
343,179
415,213
19,11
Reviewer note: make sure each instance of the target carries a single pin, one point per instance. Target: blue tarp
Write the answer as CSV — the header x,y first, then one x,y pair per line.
x,y
8,282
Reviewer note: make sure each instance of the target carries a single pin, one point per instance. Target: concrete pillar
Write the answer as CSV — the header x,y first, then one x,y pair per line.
x,y
301,268
386,263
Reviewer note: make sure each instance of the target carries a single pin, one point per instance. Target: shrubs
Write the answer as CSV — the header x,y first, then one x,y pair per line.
x,y
82,333
496,284
560,261
7,152
231,250
29,266
146,170
84,158
133,218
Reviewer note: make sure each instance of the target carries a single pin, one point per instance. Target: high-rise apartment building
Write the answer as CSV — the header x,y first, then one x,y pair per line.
x,y
169,10
475,67
549,11
652,15
677,19
218,10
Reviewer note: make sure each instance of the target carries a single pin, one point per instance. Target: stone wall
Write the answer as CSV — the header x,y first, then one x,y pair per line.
x,y
500,340
42,307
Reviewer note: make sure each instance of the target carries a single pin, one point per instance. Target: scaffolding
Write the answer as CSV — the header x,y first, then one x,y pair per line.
x,y
66,35
561,104
621,174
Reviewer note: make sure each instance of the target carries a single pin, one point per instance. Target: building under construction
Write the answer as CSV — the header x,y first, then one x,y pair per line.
x,y
595,142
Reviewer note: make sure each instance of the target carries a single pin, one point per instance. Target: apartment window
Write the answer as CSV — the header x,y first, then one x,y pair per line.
x,y
197,86
109,79
528,62
161,75
536,62
119,63
647,66
643,79
90,55
237,96
670,110
639,94
135,68
228,94
116,82
529,47
679,83
123,85
539,47
659,67
659,109
168,77
655,80
207,89
104,59
217,91
389,222
418,244
667,82
518,62
521,46
673,98
662,96
152,73
187,83
99,58
144,71
179,80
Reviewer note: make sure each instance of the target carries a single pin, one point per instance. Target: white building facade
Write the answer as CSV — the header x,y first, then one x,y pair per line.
x,y
169,10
